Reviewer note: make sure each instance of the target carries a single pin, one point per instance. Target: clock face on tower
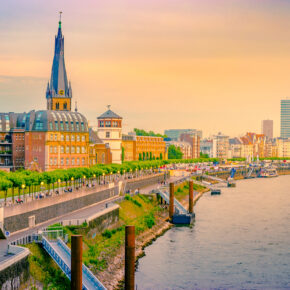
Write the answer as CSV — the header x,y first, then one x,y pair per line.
x,y
61,92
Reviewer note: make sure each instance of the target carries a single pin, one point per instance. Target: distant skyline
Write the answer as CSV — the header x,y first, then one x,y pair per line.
x,y
170,64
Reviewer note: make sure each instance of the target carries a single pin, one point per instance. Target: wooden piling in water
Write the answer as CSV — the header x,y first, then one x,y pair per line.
x,y
129,257
171,200
76,262
190,209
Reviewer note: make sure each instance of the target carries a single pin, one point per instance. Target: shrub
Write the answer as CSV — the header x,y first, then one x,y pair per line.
x,y
149,220
107,234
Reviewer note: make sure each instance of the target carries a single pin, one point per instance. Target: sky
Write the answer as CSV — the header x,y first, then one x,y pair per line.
x,y
213,65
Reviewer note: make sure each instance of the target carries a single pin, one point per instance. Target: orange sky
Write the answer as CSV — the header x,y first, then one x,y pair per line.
x,y
211,65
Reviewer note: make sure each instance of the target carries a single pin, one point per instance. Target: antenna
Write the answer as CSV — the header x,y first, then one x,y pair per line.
x,y
108,106
76,107
60,12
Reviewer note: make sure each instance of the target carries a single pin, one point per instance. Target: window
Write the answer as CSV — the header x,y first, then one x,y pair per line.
x,y
67,149
56,125
55,149
72,161
50,126
78,149
72,137
51,149
55,161
61,161
83,149
51,137
66,126
72,149
61,149
77,126
57,106
65,106
83,138
61,137
67,161
51,161
82,126
83,161
61,126
16,137
101,123
67,138
78,138
78,161
107,134
55,137
108,123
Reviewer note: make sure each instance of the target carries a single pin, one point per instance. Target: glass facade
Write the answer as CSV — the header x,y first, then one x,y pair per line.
x,y
285,119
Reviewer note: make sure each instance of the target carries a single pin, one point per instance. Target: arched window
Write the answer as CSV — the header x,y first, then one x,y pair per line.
x,y
65,106
57,106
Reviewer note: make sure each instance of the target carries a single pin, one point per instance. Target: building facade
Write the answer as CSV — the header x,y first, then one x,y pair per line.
x,y
194,141
220,146
285,119
185,148
267,128
110,132
174,134
206,147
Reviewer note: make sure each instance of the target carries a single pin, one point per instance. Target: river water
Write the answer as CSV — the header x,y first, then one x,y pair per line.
x,y
240,240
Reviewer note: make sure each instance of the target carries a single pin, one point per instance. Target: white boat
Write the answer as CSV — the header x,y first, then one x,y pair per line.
x,y
268,172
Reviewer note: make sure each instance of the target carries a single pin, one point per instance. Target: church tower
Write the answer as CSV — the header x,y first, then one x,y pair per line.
x,y
59,92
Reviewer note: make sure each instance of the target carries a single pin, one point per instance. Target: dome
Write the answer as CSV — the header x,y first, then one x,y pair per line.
x,y
63,121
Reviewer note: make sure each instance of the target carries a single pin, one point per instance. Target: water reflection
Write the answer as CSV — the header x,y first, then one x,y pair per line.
x,y
240,239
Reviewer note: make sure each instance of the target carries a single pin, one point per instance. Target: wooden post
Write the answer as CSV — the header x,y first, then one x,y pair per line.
x,y
171,200
76,262
190,209
129,257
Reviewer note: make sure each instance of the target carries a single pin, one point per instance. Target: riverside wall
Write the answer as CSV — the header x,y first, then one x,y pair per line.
x,y
23,216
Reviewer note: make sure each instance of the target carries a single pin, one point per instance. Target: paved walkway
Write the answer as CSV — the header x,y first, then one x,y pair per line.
x,y
81,213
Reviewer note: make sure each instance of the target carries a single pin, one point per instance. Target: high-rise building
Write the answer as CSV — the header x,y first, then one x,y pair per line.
x,y
220,146
285,119
267,128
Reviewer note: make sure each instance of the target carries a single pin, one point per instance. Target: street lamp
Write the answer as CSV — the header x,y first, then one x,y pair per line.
x,y
59,181
23,186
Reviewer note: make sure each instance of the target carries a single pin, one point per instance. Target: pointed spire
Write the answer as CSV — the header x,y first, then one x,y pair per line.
x,y
59,23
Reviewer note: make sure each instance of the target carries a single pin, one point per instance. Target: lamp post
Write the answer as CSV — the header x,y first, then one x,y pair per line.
x,y
59,181
94,176
41,186
111,176
104,177
23,186
84,180
72,180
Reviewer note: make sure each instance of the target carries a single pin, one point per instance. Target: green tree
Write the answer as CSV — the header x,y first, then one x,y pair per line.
x,y
174,152
123,154
203,155
140,156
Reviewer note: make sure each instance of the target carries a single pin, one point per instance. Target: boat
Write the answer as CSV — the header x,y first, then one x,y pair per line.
x,y
268,172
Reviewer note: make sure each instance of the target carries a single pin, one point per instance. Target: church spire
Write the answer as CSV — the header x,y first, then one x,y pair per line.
x,y
59,93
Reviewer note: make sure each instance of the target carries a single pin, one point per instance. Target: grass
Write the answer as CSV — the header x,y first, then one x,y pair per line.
x,y
139,210
182,190
45,270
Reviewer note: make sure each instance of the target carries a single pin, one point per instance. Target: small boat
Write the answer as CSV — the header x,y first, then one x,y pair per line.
x,y
215,191
268,172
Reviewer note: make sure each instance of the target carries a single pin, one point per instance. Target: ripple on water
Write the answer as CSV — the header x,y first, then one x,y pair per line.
x,y
240,240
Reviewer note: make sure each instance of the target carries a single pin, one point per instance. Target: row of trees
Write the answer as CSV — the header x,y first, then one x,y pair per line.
x,y
149,156
141,132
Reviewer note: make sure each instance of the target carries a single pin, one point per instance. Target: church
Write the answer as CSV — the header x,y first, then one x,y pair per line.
x,y
58,138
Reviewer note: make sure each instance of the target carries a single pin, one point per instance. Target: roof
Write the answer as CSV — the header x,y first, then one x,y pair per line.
x,y
48,120
93,136
109,115
234,141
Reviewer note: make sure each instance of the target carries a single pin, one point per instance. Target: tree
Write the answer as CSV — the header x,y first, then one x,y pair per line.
x,y
143,156
203,155
150,156
161,156
174,152
140,156
141,132
147,156
123,154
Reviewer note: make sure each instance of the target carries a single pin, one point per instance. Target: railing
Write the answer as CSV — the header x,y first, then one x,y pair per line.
x,y
56,257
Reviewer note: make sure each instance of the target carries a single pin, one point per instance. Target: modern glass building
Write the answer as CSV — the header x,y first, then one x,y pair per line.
x,y
285,119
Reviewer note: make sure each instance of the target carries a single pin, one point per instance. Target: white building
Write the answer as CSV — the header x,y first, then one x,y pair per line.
x,y
220,146
110,132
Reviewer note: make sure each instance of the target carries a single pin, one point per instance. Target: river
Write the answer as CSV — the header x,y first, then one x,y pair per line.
x,y
240,240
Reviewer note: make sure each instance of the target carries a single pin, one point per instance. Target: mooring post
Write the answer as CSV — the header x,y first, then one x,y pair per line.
x,y
190,209
171,200
129,257
76,262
